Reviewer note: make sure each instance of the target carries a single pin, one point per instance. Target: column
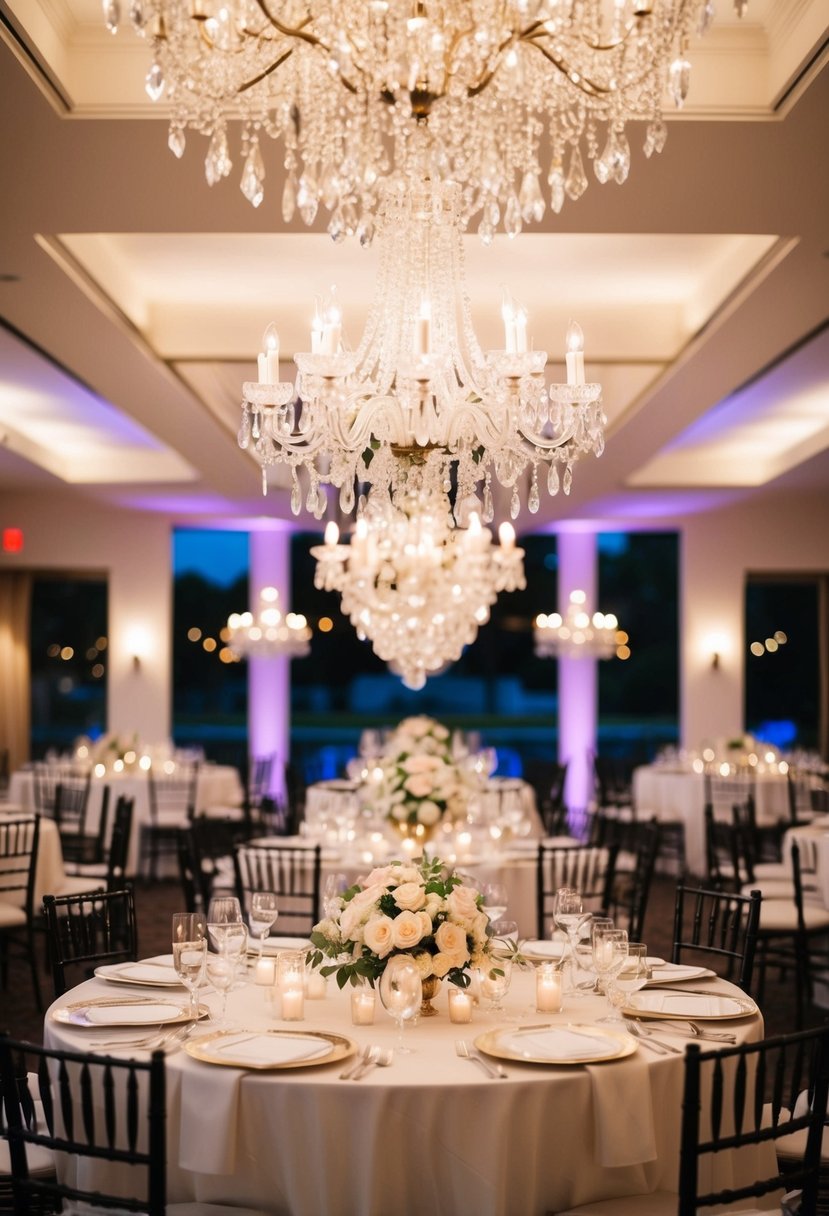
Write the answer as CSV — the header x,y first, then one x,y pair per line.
x,y
269,680
578,679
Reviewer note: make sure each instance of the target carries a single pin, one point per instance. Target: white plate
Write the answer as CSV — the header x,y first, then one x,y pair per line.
x,y
149,973
676,973
699,1006
270,1048
542,951
104,1011
573,1044
275,944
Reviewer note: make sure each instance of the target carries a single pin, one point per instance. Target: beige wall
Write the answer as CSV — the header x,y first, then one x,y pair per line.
x,y
133,550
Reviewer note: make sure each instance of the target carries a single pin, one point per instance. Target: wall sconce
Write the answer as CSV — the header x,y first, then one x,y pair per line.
x,y
716,647
138,644
715,661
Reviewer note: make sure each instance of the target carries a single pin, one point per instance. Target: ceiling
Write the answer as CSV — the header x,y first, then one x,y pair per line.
x,y
133,297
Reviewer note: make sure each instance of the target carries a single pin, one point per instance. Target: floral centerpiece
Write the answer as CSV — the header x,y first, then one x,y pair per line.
x,y
423,910
417,780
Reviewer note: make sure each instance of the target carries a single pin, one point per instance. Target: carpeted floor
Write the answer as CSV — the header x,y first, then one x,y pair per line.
x,y
155,904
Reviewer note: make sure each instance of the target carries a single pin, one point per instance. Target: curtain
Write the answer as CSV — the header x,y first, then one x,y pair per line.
x,y
15,680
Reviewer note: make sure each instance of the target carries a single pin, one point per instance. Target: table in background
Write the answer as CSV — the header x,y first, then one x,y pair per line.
x,y
219,788
50,874
430,1133
679,796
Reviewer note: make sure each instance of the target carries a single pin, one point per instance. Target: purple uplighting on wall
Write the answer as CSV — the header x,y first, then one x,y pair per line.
x,y
269,704
578,681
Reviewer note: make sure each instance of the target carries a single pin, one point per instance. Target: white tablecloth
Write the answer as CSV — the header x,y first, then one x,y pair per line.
x,y
430,1133
218,786
680,796
50,874
338,800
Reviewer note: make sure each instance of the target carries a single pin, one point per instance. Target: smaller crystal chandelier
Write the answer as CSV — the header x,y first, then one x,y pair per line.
x,y
269,634
414,586
577,635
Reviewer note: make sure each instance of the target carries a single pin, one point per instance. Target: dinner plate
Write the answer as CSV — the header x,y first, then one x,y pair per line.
x,y
270,1048
275,944
696,1006
149,973
121,1011
565,1044
541,951
676,973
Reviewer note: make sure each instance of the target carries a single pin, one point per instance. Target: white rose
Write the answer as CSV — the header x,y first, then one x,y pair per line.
x,y
379,935
451,939
406,874
426,922
440,732
420,785
407,930
434,904
423,962
410,896
441,963
417,764
463,902
428,812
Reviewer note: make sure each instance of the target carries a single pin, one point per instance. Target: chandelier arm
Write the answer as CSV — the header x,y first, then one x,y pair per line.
x,y
250,84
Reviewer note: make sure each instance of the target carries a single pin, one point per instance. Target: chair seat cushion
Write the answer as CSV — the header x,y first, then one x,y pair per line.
x,y
11,916
780,916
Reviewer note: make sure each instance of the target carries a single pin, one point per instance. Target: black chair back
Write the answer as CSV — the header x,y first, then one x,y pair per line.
x,y
724,1107
90,928
119,842
290,871
717,929
97,1109
587,868
19,841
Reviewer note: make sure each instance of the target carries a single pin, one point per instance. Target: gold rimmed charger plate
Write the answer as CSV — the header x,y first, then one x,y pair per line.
x,y
539,951
688,1006
504,1043
145,1012
137,975
207,1048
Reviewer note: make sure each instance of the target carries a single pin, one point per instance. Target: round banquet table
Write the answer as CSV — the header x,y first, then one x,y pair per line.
x,y
50,875
218,788
672,794
431,1133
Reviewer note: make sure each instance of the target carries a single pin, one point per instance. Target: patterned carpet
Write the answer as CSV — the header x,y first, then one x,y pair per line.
x,y
155,904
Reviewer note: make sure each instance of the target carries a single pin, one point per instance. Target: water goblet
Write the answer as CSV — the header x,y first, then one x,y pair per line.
x,y
224,908
569,915
494,982
220,973
609,954
632,976
494,899
262,916
333,888
235,946
401,993
190,954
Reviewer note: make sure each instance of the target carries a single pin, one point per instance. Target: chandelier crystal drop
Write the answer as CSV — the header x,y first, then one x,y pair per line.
x,y
418,390
577,635
502,97
415,586
268,634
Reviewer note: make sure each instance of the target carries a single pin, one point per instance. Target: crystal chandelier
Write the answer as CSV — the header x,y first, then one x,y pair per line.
x,y
268,634
419,391
578,635
496,94
415,586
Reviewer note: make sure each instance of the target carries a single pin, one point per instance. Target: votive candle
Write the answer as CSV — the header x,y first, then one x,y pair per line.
x,y
265,972
293,1004
548,989
460,1006
363,1002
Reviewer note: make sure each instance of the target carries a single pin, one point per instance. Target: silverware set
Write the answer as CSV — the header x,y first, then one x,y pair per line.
x,y
170,1039
684,1029
370,1057
492,1070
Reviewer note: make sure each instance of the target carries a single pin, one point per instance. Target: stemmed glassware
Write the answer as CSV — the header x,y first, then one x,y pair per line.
x,y
632,976
220,973
401,993
334,887
610,947
494,983
226,928
569,916
263,913
494,899
190,954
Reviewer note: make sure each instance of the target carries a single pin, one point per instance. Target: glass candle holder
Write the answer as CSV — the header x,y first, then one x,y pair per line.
x,y
363,1006
548,989
460,1005
291,983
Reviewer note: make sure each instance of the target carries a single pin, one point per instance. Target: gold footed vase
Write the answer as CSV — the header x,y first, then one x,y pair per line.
x,y
431,987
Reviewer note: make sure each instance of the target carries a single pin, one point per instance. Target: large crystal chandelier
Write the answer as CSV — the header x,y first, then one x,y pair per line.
x,y
494,94
419,391
412,584
578,635
268,634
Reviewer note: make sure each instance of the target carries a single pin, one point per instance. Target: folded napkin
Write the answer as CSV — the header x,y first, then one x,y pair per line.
x,y
143,973
541,948
131,1014
560,1043
623,1123
691,1004
262,1049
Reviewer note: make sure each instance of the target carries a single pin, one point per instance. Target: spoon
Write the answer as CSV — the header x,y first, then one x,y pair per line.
x,y
355,1065
381,1057
644,1037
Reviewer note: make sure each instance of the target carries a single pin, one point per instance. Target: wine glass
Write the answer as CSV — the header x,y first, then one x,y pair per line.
x,y
222,909
569,915
333,888
632,976
610,948
220,973
235,940
262,916
401,992
190,954
494,899
494,982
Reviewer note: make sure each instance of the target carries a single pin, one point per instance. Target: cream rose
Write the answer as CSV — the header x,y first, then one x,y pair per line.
x,y
419,763
407,930
379,935
410,896
441,963
451,939
426,922
463,902
419,785
423,962
428,812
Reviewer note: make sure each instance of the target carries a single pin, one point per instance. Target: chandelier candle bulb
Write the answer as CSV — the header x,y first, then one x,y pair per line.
x,y
548,989
506,535
269,359
575,354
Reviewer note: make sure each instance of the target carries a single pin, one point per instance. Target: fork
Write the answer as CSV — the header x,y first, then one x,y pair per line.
x,y
493,1071
644,1037
362,1058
